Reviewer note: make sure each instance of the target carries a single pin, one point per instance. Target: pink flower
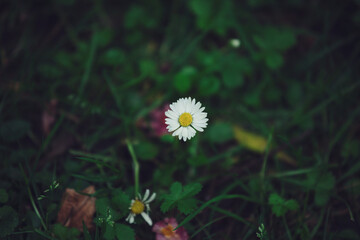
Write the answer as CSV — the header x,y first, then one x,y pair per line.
x,y
157,122
165,230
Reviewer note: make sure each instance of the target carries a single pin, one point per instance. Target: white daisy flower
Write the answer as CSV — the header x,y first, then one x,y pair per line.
x,y
184,117
141,206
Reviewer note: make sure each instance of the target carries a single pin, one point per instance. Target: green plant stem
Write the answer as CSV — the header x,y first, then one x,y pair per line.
x,y
263,168
214,200
32,199
287,228
136,166
88,66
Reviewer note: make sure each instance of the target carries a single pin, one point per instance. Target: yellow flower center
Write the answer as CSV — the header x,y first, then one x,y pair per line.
x,y
185,119
137,207
168,231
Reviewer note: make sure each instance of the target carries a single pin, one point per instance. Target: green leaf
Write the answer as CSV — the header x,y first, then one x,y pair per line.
x,y
65,233
271,38
148,67
109,232
232,78
220,132
104,37
105,209
274,60
187,206
278,210
176,189
138,17
281,206
133,17
191,190
87,235
202,10
320,181
197,161
113,57
323,183
210,15
275,199
8,220
124,232
233,69
121,201
321,197
146,150
14,130
209,85
3,196
183,79
166,205
181,197
292,205
64,59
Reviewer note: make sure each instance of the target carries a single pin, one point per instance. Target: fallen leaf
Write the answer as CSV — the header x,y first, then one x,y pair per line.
x,y
76,208
257,143
250,140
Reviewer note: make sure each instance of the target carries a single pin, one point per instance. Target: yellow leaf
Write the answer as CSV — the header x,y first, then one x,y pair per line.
x,y
257,143
250,140
283,156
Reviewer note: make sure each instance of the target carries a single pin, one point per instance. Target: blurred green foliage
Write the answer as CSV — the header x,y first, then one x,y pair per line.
x,y
96,72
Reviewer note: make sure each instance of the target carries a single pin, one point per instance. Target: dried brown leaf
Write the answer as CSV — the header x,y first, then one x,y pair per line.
x,y
76,208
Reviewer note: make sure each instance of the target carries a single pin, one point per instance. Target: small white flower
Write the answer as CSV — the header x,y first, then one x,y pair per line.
x,y
141,206
235,43
184,117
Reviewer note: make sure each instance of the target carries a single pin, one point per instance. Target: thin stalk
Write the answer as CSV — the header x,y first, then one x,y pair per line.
x,y
263,168
287,228
136,166
32,199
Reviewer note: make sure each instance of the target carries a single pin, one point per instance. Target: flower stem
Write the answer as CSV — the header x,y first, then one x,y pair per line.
x,y
136,166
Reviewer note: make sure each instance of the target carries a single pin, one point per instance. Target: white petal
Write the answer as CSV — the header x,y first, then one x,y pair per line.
x,y
202,125
197,127
185,133
146,195
180,106
177,132
171,114
153,196
197,107
169,121
146,218
192,132
131,218
175,108
171,128
200,122
200,116
188,105
193,102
